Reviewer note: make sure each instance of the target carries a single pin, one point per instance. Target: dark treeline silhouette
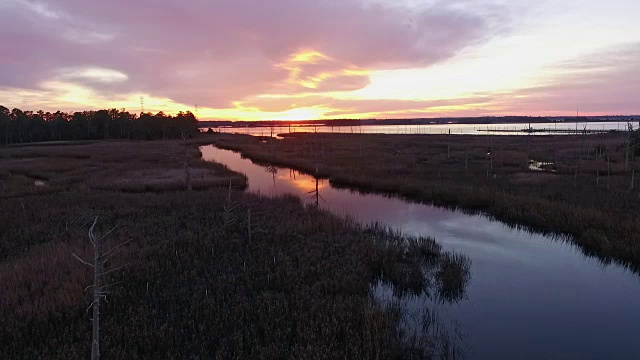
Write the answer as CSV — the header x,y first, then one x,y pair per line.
x,y
17,126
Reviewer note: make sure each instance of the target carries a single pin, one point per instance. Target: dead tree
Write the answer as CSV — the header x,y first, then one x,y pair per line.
x,y
229,208
100,258
252,226
314,195
273,170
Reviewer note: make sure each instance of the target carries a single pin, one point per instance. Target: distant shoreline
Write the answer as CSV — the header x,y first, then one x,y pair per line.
x,y
511,120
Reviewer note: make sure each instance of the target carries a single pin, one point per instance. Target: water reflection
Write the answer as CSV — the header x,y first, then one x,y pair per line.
x,y
452,129
530,297
273,170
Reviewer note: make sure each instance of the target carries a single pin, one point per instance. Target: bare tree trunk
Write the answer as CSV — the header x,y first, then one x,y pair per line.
x,y
97,271
229,207
99,259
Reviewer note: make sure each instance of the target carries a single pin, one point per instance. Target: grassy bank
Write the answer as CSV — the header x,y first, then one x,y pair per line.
x,y
586,188
132,166
209,274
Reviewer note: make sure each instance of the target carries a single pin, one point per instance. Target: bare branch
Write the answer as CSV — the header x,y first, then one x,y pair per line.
x,y
108,232
112,270
79,219
85,223
82,261
90,306
91,235
114,250
104,260
112,284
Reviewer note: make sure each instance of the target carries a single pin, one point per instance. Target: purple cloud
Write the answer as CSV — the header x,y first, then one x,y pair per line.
x,y
212,53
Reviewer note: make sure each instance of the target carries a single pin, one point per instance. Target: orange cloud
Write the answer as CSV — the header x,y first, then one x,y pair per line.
x,y
314,71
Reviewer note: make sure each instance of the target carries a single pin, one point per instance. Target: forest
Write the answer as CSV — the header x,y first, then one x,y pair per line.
x,y
19,127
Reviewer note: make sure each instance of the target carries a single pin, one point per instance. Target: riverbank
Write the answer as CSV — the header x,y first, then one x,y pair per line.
x,y
508,265
587,188
208,273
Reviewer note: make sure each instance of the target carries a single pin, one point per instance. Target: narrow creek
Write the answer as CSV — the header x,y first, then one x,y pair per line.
x,y
530,296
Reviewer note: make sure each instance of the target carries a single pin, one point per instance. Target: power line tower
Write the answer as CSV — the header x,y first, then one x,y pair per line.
x,y
141,104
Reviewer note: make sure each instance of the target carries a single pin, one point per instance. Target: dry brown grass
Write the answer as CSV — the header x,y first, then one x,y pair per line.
x,y
131,166
200,278
577,198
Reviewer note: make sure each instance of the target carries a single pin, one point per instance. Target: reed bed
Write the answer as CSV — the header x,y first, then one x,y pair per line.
x,y
215,273
588,188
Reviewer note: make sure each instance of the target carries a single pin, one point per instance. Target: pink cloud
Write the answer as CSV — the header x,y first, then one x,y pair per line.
x,y
354,107
599,83
212,53
596,84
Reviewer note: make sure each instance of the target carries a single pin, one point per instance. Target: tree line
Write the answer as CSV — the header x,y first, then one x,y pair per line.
x,y
18,126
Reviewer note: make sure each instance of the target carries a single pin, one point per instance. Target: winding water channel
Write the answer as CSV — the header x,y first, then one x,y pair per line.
x,y
530,297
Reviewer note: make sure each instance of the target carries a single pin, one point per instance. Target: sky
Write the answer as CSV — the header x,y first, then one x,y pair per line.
x,y
309,59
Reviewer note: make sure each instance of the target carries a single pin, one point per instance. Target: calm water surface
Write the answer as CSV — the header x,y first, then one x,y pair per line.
x,y
530,296
466,129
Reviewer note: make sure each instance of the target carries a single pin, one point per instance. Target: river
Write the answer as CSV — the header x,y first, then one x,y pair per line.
x,y
530,296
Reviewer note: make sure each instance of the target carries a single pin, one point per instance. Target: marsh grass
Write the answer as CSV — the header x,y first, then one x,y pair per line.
x,y
585,193
198,283
132,166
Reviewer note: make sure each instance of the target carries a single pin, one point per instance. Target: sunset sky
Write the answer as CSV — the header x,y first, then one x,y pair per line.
x,y
304,59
